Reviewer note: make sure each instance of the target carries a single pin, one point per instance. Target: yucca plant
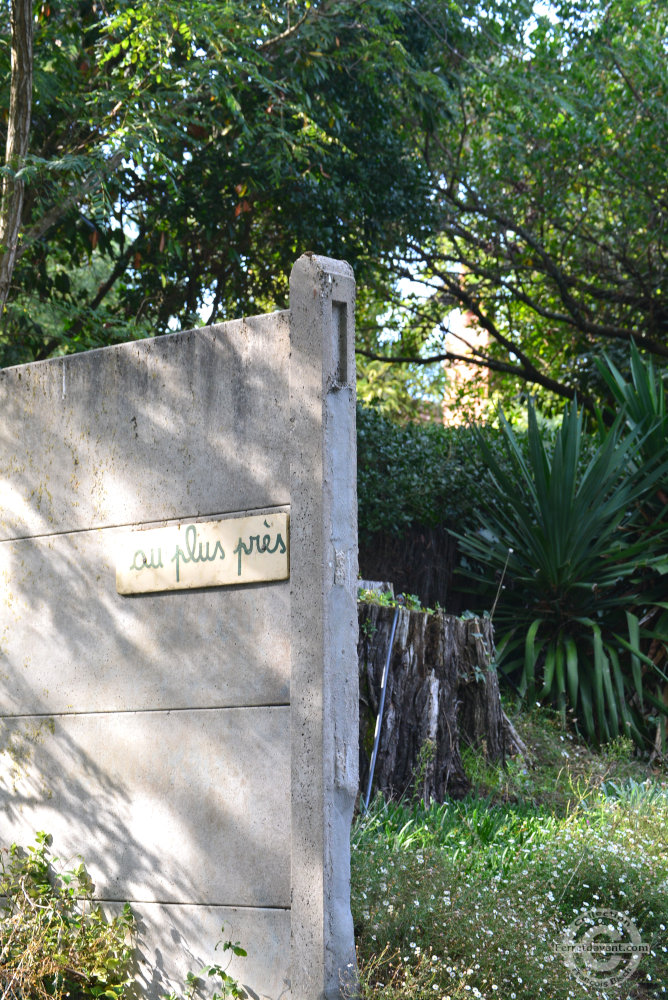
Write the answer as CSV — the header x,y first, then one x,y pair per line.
x,y
566,534
641,399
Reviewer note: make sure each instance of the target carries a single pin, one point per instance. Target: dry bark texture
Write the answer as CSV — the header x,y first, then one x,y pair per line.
x,y
441,697
18,135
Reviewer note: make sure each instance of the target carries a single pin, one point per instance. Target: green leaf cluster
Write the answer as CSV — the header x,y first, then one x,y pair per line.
x,y
224,983
418,474
510,160
181,160
55,941
642,399
549,192
575,538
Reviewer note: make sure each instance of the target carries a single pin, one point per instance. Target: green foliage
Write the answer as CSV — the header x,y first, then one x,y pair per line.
x,y
460,827
228,985
570,535
478,903
642,399
562,770
387,600
181,159
549,190
621,748
462,899
55,941
402,392
417,473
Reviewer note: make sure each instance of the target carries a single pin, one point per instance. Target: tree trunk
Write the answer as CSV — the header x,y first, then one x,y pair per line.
x,y
441,696
18,136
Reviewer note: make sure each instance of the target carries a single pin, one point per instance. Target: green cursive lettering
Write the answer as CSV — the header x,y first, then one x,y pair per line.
x,y
243,548
195,551
141,562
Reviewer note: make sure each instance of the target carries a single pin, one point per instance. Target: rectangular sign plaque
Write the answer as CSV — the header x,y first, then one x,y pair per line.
x,y
193,554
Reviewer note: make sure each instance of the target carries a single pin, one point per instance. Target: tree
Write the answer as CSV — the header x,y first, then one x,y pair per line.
x,y
177,166
18,132
179,163
550,202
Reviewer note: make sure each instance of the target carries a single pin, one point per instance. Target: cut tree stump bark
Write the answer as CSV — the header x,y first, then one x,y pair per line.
x,y
442,695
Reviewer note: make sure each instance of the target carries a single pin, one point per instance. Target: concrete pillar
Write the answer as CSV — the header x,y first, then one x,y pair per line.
x,y
324,697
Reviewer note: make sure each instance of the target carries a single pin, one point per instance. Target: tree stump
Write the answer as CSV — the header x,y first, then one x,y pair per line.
x,y
442,694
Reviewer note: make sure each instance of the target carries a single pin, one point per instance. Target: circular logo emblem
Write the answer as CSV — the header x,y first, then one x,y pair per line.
x,y
601,947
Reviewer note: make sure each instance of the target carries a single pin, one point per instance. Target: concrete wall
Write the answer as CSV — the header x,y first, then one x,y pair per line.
x,y
197,747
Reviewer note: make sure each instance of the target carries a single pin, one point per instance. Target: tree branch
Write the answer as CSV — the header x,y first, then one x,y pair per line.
x,y
284,35
77,192
535,377
575,317
18,136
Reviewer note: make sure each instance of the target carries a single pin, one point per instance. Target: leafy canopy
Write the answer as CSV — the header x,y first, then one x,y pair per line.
x,y
181,158
550,211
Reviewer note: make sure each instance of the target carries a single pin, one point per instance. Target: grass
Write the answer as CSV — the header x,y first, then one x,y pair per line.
x,y
468,899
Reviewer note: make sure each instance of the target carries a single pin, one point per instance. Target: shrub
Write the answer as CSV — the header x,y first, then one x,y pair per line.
x,y
417,474
570,536
54,940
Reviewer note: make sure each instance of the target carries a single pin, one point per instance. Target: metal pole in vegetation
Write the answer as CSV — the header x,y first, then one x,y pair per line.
x,y
379,720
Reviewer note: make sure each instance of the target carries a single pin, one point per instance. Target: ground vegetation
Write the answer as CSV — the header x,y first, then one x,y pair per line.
x,y
470,899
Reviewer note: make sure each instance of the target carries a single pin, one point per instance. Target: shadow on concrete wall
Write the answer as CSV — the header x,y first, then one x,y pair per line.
x,y
148,734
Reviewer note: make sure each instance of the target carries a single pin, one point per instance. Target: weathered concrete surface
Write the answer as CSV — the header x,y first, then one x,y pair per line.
x,y
187,425
197,747
324,624
166,936
179,807
153,651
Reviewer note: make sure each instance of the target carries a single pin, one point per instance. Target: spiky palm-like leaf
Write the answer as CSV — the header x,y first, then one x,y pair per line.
x,y
566,530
